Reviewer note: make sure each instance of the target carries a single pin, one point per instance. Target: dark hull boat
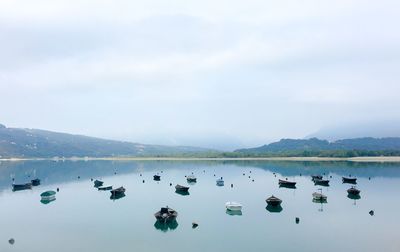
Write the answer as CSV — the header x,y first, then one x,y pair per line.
x,y
179,188
98,183
273,201
191,179
286,183
314,177
118,191
321,182
353,191
157,177
35,182
166,214
19,187
349,180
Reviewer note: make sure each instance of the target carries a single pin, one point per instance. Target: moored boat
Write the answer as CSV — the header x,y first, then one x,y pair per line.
x,y
322,182
48,196
157,177
220,182
35,182
313,177
118,191
98,183
319,197
19,187
166,214
191,178
286,183
273,201
180,188
233,206
349,180
105,188
353,191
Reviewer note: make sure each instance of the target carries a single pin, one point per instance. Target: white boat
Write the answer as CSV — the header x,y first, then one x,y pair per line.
x,y
233,206
220,182
319,196
191,178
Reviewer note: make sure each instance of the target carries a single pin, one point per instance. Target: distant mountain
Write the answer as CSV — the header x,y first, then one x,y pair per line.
x,y
16,142
376,129
317,145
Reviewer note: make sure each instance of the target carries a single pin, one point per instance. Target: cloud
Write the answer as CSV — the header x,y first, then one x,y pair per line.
x,y
251,71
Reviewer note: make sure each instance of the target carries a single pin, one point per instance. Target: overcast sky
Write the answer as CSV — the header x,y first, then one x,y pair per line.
x,y
223,74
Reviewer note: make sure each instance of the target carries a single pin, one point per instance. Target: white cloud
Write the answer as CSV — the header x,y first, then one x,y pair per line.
x,y
248,71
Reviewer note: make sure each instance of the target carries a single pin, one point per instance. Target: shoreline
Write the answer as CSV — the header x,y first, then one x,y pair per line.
x,y
294,159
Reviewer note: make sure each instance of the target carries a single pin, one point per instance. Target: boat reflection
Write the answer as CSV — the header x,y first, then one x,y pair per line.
x,y
353,197
183,193
321,201
233,212
117,196
45,202
287,186
165,226
274,209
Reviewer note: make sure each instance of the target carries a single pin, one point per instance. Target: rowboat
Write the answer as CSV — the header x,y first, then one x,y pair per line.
x,y
316,177
220,182
273,201
98,183
233,206
180,188
287,183
191,178
19,187
322,182
166,214
48,195
349,180
118,191
353,191
319,197
35,182
105,188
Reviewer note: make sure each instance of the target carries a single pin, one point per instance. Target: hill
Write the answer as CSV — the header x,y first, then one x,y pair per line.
x,y
27,143
366,146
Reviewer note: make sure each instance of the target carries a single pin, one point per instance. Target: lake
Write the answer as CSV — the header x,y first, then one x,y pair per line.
x,y
85,219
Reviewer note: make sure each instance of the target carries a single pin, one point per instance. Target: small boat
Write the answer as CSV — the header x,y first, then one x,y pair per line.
x,y
180,188
118,191
191,178
19,187
286,183
273,201
98,183
349,180
322,182
233,206
105,188
314,177
353,191
48,196
220,182
166,214
318,196
35,182
157,177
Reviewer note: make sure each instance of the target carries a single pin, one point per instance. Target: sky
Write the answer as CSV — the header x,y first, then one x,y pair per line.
x,y
220,74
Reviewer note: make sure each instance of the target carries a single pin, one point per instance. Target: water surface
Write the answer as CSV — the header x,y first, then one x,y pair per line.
x,y
85,219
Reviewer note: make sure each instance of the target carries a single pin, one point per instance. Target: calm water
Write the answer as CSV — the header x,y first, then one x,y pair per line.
x,y
85,219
